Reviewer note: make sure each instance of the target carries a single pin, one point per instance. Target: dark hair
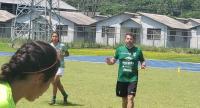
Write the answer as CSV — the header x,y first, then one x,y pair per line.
x,y
33,57
130,34
55,32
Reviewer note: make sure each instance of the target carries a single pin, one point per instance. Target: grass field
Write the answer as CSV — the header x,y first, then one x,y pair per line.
x,y
148,54
4,47
92,85
110,52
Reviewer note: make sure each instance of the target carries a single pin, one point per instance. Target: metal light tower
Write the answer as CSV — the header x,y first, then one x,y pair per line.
x,y
34,19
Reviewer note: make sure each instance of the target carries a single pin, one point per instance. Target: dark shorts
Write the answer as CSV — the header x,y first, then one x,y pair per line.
x,y
124,89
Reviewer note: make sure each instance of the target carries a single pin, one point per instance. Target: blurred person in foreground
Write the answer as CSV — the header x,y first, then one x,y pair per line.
x,y
28,73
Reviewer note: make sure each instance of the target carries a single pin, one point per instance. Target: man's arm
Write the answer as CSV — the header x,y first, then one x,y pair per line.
x,y
142,61
112,60
143,64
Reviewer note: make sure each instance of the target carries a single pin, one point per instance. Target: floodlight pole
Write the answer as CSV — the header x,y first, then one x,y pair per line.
x,y
45,13
34,9
30,22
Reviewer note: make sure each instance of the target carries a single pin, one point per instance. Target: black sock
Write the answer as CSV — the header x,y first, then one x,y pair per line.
x,y
53,98
64,94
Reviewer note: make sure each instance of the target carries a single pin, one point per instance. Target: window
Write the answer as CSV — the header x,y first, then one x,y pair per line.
x,y
42,29
103,31
172,35
62,29
80,29
8,7
135,31
2,28
109,31
185,36
153,34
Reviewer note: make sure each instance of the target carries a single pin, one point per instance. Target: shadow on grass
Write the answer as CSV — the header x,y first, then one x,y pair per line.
x,y
60,103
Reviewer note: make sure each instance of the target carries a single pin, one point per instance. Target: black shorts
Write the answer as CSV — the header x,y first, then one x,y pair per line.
x,y
124,89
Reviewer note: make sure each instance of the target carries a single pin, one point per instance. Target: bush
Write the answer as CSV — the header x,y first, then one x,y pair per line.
x,y
4,40
177,50
81,44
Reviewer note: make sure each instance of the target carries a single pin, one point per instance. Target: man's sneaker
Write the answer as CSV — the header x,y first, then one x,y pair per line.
x,y
52,102
65,100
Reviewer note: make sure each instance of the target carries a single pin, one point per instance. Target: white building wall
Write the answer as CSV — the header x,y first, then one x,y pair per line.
x,y
99,38
55,21
103,40
194,39
110,22
70,36
130,24
198,37
149,23
26,18
118,33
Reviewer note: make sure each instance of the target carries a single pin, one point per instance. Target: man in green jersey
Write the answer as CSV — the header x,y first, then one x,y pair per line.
x,y
128,56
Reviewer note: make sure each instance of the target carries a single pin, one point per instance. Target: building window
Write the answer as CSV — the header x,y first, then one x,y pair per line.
x,y
103,31
109,31
185,35
9,7
172,35
2,28
80,29
62,29
153,34
135,31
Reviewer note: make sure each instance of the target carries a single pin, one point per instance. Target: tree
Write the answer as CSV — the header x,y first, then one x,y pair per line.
x,y
183,8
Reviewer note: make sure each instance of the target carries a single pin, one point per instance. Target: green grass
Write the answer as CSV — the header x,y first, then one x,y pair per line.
x,y
5,47
148,54
110,52
95,52
92,85
172,56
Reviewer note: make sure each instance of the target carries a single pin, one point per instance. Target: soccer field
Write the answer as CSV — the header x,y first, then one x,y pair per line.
x,y
92,85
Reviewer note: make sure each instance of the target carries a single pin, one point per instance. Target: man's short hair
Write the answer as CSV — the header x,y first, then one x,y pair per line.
x,y
130,34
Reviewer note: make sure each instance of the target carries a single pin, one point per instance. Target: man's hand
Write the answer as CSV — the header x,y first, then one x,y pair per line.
x,y
66,53
143,65
110,61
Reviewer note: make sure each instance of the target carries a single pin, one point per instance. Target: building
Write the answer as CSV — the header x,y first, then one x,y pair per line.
x,y
11,5
34,24
164,31
194,23
149,29
108,31
78,27
5,23
134,26
72,26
